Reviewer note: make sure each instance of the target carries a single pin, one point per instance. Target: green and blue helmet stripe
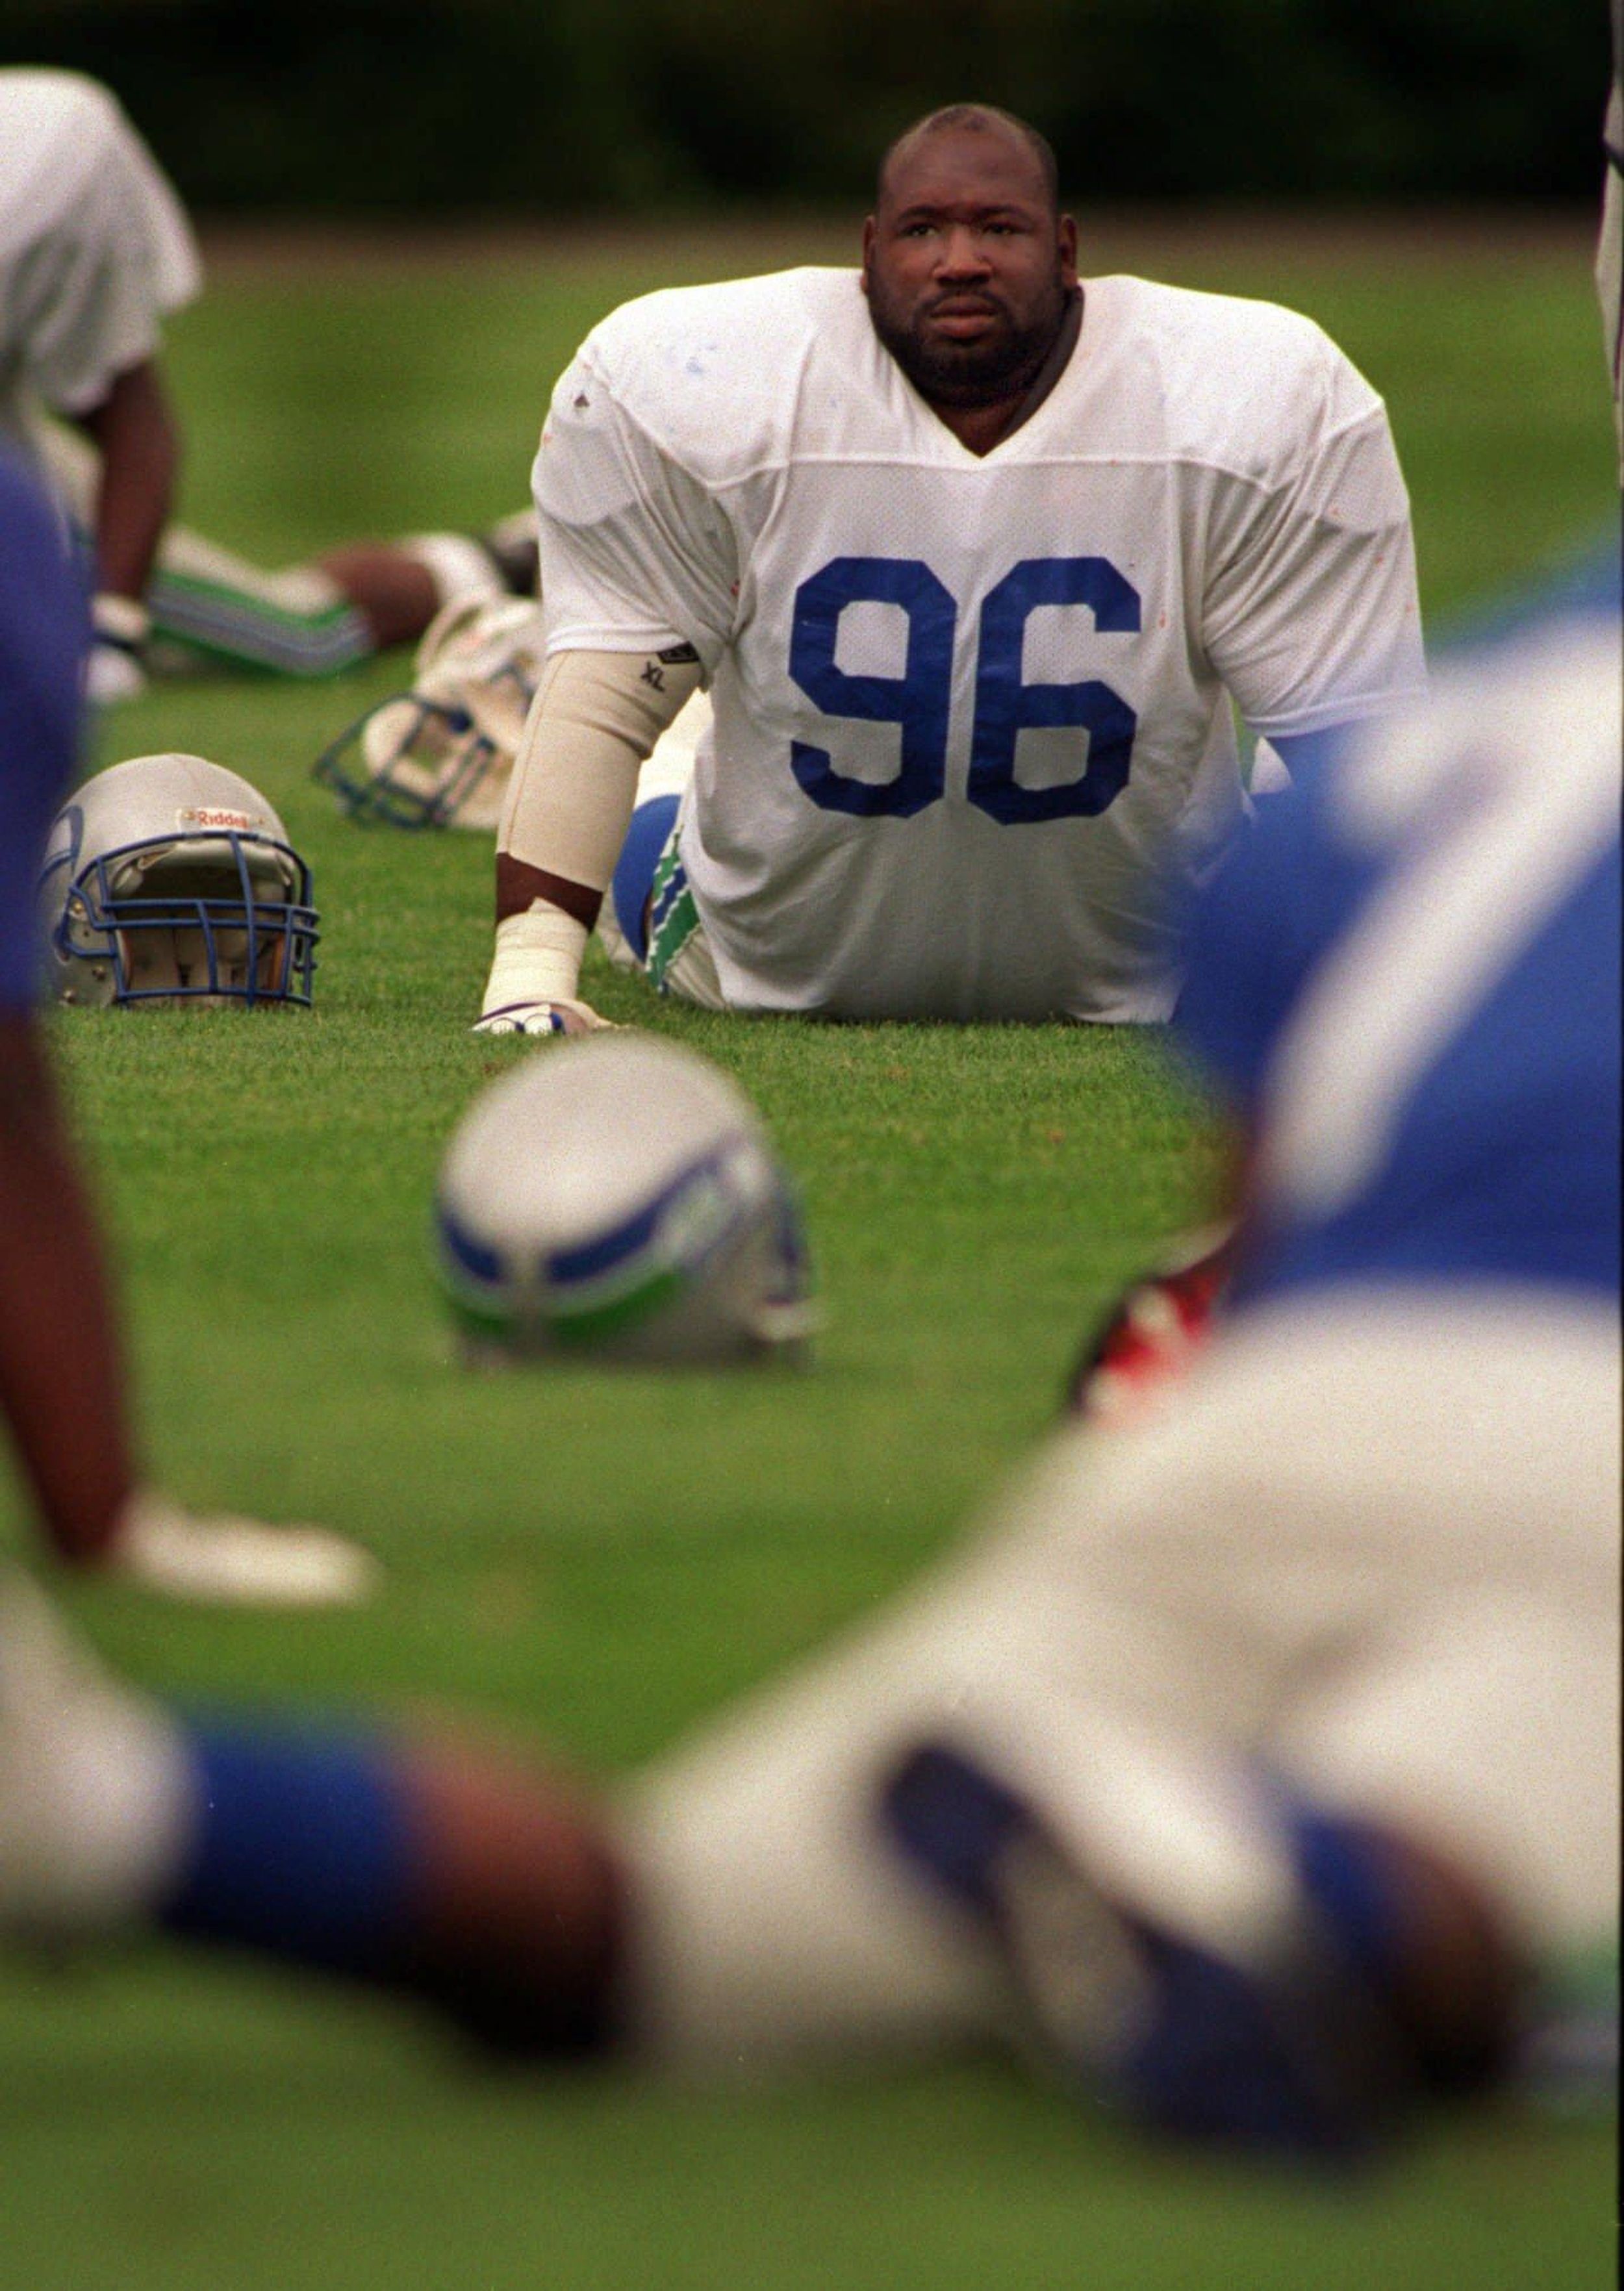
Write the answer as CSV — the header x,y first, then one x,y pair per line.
x,y
593,1288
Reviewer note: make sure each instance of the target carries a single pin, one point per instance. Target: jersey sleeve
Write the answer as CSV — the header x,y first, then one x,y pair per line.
x,y
1310,615
635,554
44,630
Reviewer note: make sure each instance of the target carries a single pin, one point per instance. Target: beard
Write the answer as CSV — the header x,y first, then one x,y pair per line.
x,y
947,373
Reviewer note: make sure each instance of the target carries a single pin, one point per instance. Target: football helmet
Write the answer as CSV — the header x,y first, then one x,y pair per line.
x,y
616,1197
170,879
440,754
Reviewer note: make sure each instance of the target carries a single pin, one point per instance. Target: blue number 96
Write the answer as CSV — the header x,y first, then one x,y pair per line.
x,y
918,701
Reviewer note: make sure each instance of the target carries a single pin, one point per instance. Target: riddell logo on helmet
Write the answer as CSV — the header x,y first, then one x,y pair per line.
x,y
211,814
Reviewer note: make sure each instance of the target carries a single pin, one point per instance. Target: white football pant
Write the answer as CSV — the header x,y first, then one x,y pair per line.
x,y
1371,1545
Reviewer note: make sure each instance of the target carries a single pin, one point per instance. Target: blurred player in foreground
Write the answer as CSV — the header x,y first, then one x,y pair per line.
x,y
973,557
1257,1764
95,252
61,1380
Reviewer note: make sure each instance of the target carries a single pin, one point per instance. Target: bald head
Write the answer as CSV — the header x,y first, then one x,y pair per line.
x,y
973,121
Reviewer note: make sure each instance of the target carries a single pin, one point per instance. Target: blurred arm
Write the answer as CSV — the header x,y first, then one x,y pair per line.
x,y
61,1379
63,1385
135,431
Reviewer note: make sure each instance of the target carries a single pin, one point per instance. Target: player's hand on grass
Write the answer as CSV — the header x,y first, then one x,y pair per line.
x,y
112,674
543,1019
1151,1333
535,975
218,1559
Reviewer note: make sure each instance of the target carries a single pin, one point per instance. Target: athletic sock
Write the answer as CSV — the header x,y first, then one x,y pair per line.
x,y
315,1847
1291,2057
633,880
300,1848
1419,1938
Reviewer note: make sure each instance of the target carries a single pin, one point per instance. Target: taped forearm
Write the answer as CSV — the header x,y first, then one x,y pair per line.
x,y
594,721
61,1370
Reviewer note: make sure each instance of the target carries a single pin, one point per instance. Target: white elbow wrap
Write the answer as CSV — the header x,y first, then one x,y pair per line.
x,y
595,718
537,958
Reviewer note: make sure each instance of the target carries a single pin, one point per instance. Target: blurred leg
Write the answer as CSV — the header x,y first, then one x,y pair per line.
x,y
1163,1619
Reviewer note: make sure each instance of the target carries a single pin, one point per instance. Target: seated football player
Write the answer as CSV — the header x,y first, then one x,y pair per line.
x,y
95,252
1257,1764
972,556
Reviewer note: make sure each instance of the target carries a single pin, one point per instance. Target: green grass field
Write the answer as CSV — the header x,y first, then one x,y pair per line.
x,y
596,1561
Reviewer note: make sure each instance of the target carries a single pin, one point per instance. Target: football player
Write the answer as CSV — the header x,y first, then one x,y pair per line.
x,y
1148,1336
62,1379
1260,1762
1266,1753
95,252
973,556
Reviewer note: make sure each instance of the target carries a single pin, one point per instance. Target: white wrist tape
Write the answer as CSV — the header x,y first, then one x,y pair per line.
x,y
537,959
595,718
235,1562
120,620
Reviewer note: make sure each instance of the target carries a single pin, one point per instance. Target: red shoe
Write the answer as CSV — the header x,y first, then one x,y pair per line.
x,y
1152,1332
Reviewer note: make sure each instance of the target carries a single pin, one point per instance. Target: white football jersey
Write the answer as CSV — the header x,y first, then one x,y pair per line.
x,y
967,708
94,248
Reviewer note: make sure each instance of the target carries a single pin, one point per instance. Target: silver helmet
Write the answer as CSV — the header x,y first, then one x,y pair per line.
x,y
616,1197
169,878
440,754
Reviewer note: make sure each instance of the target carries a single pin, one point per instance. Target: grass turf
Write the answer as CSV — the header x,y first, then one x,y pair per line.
x,y
596,1561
